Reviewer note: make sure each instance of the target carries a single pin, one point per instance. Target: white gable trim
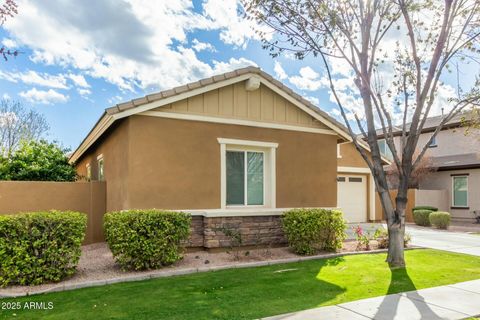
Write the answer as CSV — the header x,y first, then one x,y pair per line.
x,y
107,119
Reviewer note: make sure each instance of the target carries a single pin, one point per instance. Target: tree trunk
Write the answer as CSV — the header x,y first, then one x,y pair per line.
x,y
395,256
396,228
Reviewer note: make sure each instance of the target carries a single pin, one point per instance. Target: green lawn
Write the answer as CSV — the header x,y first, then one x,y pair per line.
x,y
256,292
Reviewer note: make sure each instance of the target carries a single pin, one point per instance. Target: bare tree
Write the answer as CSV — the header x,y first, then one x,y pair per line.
x,y
19,124
7,10
358,34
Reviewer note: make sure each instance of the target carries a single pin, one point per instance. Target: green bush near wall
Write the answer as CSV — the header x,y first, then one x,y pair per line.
x,y
425,208
309,230
422,217
39,247
440,219
146,239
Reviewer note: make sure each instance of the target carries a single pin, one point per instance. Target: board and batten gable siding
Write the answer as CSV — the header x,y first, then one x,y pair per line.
x,y
235,102
175,164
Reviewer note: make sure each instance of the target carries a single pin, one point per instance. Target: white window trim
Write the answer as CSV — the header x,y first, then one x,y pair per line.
x,y
100,158
269,190
453,191
89,168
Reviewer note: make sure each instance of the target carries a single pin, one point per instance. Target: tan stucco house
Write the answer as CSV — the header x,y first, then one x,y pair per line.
x,y
454,157
236,150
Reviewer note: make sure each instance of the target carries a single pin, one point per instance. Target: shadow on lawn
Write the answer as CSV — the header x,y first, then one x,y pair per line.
x,y
313,293
401,282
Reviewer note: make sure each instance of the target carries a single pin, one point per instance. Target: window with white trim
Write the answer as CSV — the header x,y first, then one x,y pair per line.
x,y
384,149
89,172
248,173
460,191
101,168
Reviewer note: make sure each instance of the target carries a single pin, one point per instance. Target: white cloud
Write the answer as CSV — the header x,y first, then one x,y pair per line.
x,y
200,46
78,80
313,100
84,92
9,43
138,44
307,80
43,97
35,78
279,71
234,28
6,96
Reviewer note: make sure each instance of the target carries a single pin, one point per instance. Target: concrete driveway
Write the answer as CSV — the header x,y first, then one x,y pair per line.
x,y
444,240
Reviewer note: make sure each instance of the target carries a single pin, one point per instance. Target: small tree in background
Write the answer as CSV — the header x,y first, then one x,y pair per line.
x,y
18,124
395,53
38,161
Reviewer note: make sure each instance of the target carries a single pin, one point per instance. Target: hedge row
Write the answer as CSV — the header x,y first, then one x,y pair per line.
x,y
309,230
40,247
146,239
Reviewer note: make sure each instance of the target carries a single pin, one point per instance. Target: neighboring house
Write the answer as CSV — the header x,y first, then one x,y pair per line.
x,y
455,157
236,150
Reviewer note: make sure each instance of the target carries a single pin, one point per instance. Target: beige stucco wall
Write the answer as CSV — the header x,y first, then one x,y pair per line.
x,y
449,142
442,180
175,164
350,157
85,197
114,146
234,101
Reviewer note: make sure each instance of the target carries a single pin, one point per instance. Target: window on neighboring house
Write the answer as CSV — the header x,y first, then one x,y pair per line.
x,y
248,173
433,143
89,172
384,149
101,168
460,191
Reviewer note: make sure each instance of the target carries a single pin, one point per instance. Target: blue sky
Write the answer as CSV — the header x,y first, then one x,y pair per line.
x,y
79,59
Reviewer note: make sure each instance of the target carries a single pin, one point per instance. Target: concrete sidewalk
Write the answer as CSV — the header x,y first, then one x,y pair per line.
x,y
456,301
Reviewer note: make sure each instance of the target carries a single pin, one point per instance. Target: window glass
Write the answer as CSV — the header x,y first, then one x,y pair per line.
x,y
255,178
101,175
235,178
433,143
384,149
460,190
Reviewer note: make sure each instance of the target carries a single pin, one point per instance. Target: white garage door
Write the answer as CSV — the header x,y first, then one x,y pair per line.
x,y
352,197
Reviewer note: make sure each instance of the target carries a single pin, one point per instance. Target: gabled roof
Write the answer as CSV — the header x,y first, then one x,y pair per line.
x,y
457,161
165,97
430,125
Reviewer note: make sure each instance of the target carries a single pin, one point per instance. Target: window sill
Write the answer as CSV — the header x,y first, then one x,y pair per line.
x,y
460,208
247,212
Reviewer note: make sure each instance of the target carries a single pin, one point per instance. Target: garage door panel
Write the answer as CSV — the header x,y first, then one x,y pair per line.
x,y
352,197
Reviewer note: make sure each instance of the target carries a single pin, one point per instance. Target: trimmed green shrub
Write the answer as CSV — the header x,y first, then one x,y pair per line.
x,y
421,217
440,219
39,247
146,239
381,235
425,208
309,230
